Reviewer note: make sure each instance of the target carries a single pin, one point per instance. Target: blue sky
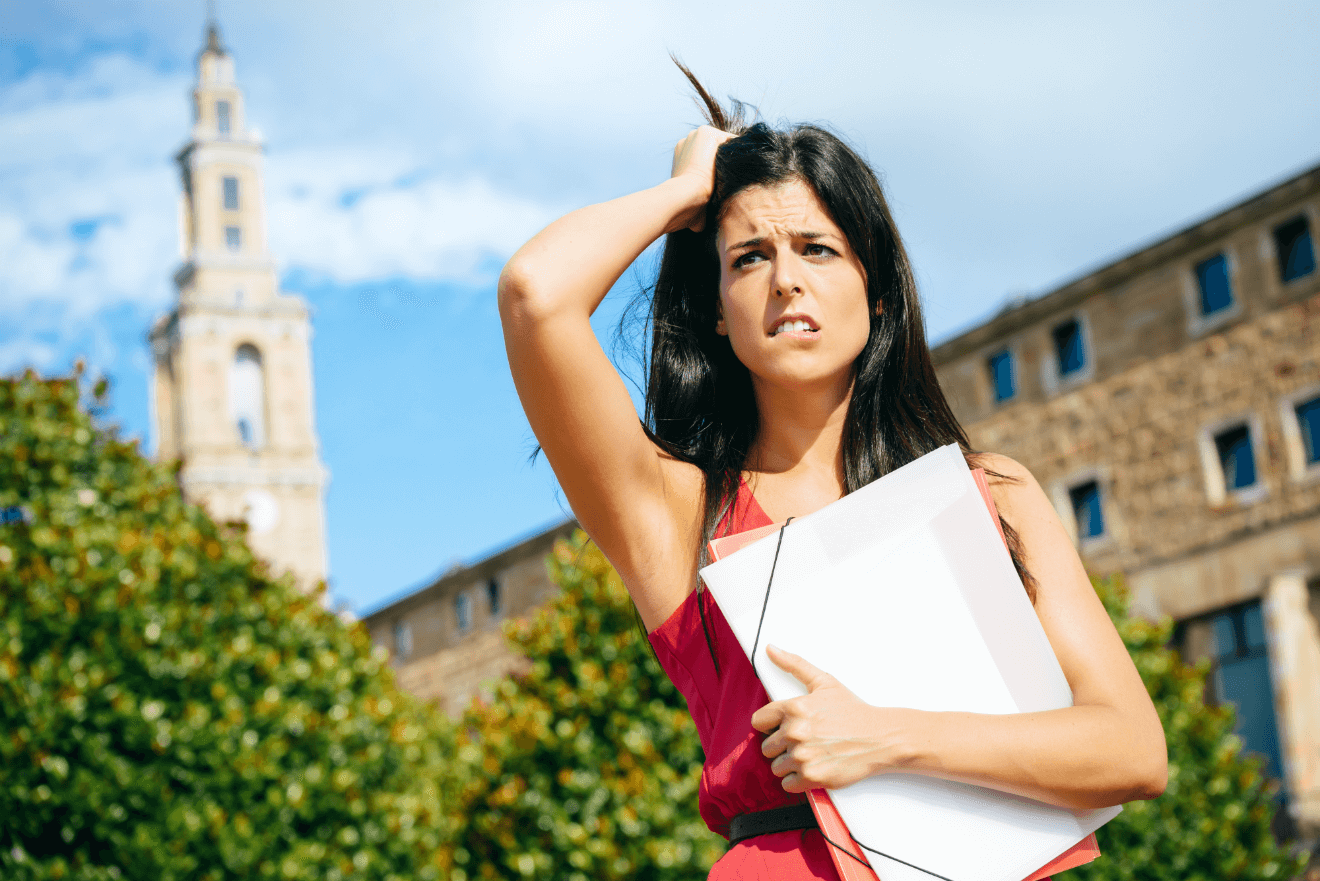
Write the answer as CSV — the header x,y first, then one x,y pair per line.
x,y
412,146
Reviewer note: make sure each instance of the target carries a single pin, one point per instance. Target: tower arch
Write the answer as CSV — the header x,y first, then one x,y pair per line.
x,y
247,396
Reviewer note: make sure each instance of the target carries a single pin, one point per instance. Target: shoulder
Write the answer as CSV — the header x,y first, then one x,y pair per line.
x,y
999,464
1004,474
1016,491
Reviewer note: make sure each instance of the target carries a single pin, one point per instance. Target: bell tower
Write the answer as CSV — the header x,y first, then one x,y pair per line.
x,y
232,384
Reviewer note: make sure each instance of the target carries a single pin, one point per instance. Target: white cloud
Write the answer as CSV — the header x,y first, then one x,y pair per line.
x,y
88,199
361,213
86,189
26,352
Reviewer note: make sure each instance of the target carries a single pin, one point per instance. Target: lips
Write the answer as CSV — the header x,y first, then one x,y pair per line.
x,y
794,323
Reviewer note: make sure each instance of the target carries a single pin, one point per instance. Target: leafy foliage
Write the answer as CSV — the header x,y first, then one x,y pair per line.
x,y
169,710
586,766
1213,820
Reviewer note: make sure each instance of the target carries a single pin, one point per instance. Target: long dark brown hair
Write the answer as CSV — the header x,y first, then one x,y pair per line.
x,y
699,401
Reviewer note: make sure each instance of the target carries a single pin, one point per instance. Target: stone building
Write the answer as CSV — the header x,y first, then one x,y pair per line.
x,y
231,388
1169,404
445,640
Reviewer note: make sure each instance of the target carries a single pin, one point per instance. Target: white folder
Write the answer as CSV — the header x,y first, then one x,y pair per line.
x,y
905,593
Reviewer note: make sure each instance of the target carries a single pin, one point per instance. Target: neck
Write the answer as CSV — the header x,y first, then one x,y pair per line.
x,y
801,429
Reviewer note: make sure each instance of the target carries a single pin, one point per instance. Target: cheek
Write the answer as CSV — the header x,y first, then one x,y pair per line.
x,y
739,312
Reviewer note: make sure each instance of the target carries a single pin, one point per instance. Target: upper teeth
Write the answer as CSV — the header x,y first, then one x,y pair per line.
x,y
792,326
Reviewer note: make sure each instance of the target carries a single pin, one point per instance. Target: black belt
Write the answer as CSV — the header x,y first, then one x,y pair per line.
x,y
784,819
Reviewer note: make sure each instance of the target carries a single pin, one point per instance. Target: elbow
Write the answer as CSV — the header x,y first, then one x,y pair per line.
x,y
1154,780
1152,772
515,290
1138,776
1146,778
523,297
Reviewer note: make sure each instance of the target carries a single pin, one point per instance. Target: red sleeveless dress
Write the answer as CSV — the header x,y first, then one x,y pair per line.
x,y
736,778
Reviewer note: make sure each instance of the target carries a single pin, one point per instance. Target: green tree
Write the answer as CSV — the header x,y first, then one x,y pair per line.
x,y
1213,821
586,765
169,710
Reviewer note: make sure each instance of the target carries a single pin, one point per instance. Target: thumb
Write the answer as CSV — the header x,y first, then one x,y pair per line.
x,y
800,669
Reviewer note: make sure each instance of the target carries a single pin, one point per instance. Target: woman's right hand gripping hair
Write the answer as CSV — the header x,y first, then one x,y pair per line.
x,y
694,163
640,505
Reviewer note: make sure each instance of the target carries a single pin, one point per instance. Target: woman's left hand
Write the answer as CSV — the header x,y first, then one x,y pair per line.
x,y
827,737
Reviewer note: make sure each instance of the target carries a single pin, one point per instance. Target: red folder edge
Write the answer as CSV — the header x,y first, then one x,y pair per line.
x,y
853,865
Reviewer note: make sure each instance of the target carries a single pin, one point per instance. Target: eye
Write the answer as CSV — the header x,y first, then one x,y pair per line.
x,y
816,249
748,259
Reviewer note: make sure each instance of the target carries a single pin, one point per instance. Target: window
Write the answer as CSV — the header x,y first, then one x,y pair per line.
x,y
1068,347
403,644
463,612
222,117
1308,422
247,396
1212,279
1001,376
494,601
233,238
1234,641
230,185
1085,499
1236,457
1292,242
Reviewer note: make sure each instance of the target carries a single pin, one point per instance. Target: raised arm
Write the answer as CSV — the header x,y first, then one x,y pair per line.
x,y
640,506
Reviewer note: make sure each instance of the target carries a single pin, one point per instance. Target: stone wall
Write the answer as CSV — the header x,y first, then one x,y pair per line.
x,y
448,664
1141,433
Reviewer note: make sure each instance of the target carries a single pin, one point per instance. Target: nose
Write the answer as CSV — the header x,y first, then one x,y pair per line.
x,y
787,280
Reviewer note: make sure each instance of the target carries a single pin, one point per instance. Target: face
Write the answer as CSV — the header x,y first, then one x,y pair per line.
x,y
792,292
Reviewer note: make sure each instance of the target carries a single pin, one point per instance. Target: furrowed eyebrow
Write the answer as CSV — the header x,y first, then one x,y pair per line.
x,y
796,234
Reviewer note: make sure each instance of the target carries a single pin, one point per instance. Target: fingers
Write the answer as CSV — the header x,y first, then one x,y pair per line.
x,y
800,669
774,744
792,773
694,160
783,765
767,718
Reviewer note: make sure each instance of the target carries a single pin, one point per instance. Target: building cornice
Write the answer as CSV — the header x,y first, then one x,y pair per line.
x,y
464,575
200,261
239,146
1019,315
316,476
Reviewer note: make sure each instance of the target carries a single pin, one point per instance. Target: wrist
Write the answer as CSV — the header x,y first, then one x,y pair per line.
x,y
903,739
687,196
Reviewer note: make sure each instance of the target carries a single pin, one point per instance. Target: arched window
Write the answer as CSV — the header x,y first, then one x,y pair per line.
x,y
247,397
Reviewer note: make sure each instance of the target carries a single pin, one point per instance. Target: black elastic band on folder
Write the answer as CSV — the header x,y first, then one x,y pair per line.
x,y
765,604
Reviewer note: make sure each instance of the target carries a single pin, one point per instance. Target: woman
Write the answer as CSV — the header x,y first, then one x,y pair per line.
x,y
789,367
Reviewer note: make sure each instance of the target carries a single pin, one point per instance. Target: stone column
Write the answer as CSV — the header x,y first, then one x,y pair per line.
x,y
1294,642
